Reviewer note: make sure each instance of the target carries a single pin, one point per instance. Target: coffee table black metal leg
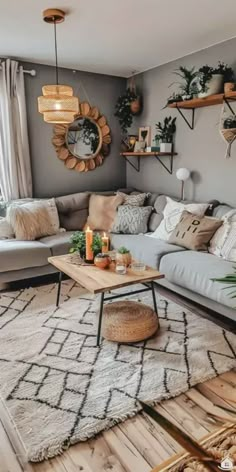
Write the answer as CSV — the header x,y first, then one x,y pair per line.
x,y
154,297
59,288
100,319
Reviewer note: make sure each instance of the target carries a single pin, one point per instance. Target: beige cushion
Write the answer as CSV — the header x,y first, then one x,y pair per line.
x,y
172,214
194,232
6,230
135,199
33,220
102,211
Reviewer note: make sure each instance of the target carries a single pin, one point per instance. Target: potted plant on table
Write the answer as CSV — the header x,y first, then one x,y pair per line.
x,y
123,256
165,133
78,241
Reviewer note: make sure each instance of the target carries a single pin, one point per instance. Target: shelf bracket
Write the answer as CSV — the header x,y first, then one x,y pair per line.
x,y
190,124
169,169
137,168
229,106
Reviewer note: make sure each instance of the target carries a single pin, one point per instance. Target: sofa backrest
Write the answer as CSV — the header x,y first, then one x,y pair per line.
x,y
73,209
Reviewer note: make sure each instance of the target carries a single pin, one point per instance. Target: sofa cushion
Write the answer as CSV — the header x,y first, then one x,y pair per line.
x,y
194,271
17,255
221,210
59,243
143,248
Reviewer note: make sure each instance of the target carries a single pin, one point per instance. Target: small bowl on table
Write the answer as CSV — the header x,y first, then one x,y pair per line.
x,y
137,268
102,260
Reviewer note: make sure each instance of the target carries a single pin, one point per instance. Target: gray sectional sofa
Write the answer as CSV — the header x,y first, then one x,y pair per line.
x,y
186,272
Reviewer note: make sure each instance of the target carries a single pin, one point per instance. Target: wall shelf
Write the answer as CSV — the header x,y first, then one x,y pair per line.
x,y
157,155
202,102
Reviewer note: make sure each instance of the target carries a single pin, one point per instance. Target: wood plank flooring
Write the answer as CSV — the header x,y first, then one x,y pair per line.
x,y
138,444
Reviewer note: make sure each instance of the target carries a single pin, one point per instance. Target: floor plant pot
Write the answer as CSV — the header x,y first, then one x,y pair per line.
x,y
214,86
166,147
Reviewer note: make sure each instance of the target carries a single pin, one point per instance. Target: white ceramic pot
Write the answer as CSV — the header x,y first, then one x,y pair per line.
x,y
166,147
214,86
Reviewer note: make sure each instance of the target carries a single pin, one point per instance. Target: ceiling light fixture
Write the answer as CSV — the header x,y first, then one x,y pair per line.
x,y
58,105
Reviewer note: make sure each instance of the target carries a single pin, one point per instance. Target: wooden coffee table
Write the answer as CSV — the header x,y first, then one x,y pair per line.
x,y
96,280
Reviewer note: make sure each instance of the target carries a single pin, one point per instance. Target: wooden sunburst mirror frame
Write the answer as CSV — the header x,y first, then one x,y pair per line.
x,y
72,162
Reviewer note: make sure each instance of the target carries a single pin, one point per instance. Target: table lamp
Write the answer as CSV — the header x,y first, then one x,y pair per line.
x,y
182,174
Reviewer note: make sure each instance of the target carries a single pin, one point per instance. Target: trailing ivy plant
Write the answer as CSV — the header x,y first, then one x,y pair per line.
x,y
123,111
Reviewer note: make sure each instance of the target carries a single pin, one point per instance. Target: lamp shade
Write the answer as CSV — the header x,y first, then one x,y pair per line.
x,y
57,104
182,174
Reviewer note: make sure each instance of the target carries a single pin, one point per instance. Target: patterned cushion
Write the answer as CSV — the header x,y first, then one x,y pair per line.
x,y
131,220
136,199
194,232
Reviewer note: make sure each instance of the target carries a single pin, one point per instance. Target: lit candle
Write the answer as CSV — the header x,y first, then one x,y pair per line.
x,y
105,243
89,242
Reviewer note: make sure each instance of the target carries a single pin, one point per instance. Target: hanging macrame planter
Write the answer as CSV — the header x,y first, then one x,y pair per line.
x,y
228,134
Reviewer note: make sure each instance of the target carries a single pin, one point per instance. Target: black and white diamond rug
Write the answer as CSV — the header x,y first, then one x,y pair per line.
x,y
59,388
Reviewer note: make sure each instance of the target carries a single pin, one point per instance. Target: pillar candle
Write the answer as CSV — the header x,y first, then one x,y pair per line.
x,y
105,243
89,242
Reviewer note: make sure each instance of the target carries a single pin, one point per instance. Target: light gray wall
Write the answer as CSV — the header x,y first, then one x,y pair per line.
x,y
201,150
50,176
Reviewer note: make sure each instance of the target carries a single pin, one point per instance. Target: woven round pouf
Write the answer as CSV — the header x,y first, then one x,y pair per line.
x,y
128,321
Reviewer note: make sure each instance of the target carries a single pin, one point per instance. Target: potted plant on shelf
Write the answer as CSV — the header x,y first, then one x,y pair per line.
x,y
123,256
212,79
186,88
165,133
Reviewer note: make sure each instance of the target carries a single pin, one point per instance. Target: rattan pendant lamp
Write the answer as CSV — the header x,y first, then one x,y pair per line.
x,y
57,104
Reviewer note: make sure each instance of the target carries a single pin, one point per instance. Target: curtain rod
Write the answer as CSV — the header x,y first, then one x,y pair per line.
x,y
31,72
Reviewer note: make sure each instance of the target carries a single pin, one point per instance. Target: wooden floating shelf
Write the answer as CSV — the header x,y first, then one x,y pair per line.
x,y
146,154
157,155
203,102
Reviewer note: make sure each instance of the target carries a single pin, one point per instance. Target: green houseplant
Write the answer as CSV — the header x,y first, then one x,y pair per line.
x,y
78,241
126,107
230,282
165,133
186,87
123,256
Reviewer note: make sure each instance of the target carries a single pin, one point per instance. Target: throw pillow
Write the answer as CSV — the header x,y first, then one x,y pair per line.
x,y
102,211
33,220
6,230
223,243
172,214
194,232
131,219
136,199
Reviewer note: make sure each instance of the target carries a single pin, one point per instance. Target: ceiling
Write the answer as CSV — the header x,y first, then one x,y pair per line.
x,y
115,37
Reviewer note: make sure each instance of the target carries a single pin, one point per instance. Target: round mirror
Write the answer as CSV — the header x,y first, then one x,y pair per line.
x,y
84,138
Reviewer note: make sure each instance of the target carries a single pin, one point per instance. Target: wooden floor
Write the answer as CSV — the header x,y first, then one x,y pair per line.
x,y
138,444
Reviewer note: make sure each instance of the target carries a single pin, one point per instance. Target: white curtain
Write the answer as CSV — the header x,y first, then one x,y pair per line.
x,y
15,166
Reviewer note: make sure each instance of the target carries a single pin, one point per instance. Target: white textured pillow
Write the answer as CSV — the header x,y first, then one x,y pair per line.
x,y
34,220
172,214
6,230
223,243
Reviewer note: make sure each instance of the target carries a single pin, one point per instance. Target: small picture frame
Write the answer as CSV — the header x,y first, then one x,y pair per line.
x,y
144,134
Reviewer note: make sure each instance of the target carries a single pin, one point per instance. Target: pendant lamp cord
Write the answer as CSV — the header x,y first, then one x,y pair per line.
x,y
55,39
